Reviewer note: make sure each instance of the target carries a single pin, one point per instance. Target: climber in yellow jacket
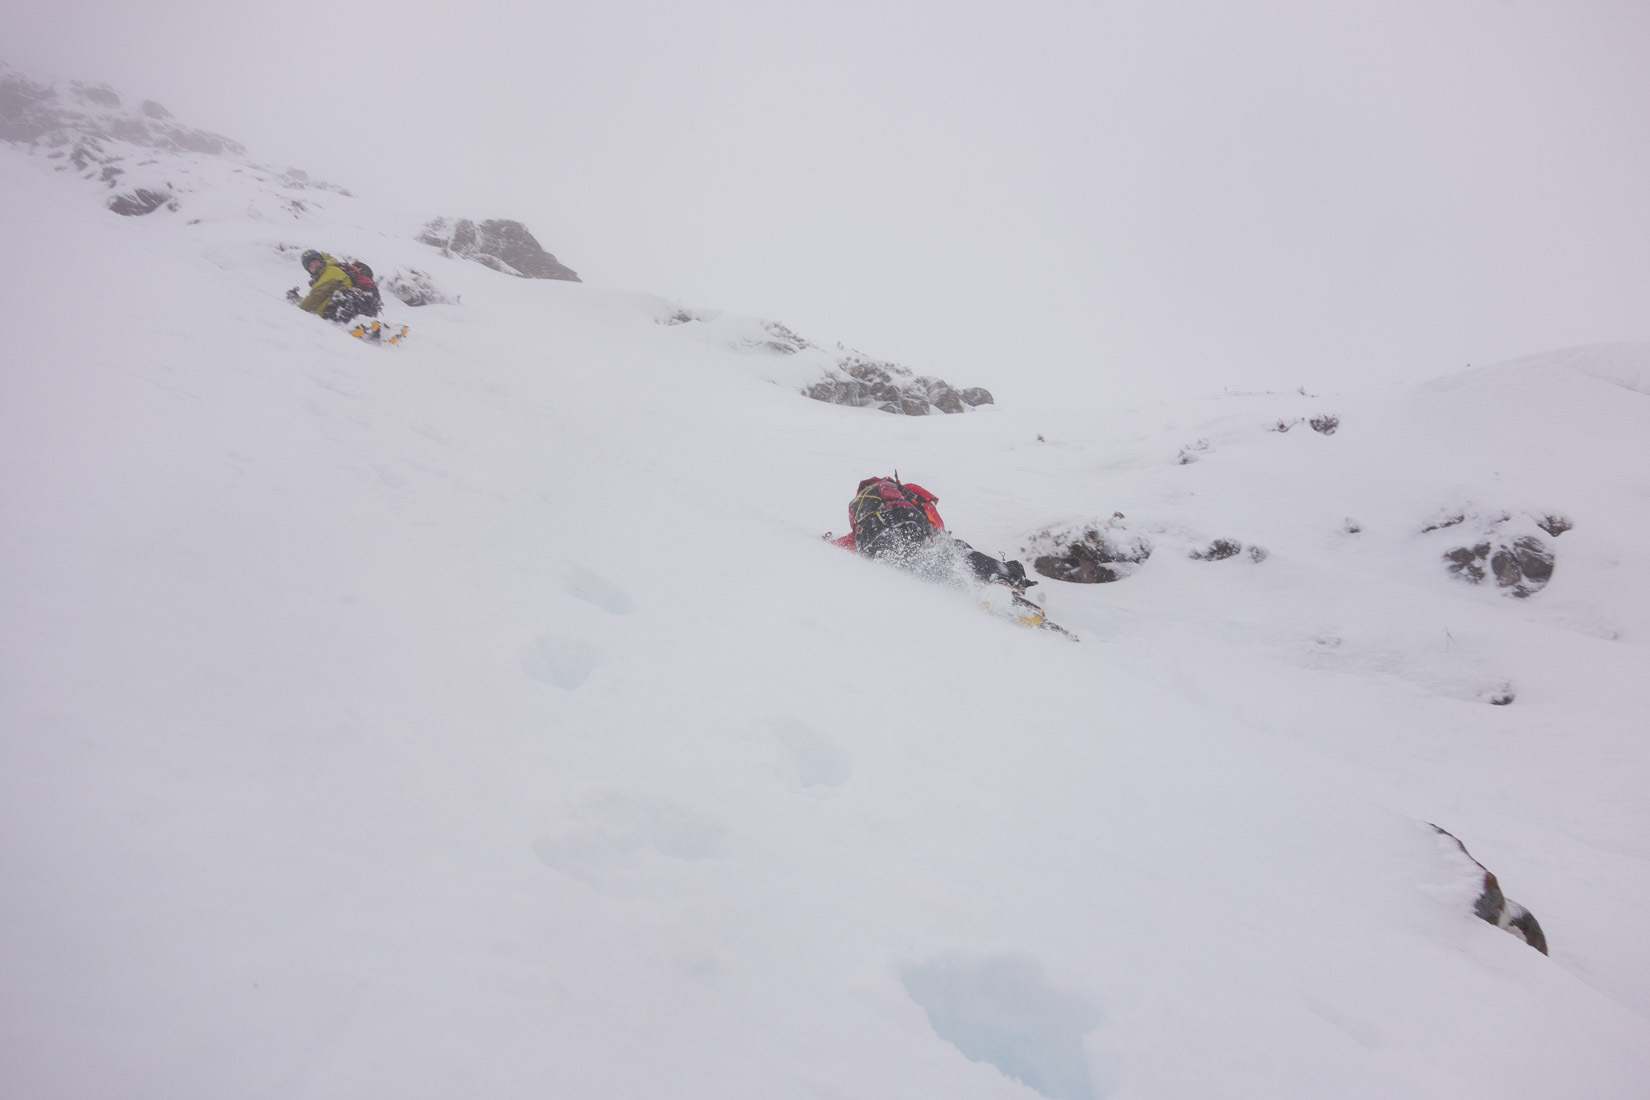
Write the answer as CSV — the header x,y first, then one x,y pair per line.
x,y
339,290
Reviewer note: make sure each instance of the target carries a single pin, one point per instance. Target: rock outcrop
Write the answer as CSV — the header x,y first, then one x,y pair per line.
x,y
1506,549
88,115
139,202
149,159
1087,553
870,383
1494,907
502,245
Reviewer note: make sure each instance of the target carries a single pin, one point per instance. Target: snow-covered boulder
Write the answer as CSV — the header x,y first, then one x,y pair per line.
x,y
1095,552
414,287
500,244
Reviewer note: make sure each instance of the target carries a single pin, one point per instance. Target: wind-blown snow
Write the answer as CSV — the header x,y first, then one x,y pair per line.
x,y
484,717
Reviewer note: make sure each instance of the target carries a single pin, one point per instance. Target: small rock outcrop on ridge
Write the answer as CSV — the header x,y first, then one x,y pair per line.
x,y
871,383
86,114
502,245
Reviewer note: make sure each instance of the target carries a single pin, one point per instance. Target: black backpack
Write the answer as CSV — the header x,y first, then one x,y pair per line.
x,y
883,502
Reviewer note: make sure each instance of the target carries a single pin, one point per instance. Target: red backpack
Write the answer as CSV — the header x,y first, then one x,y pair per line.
x,y
884,502
360,275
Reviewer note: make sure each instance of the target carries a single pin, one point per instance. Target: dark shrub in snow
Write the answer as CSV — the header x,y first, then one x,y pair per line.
x,y
1219,550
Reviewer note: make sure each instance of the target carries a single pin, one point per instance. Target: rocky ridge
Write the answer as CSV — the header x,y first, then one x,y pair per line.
x,y
94,132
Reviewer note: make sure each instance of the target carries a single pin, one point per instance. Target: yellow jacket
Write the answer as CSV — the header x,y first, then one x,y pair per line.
x,y
329,280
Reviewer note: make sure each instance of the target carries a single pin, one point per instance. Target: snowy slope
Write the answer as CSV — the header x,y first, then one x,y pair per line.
x,y
484,717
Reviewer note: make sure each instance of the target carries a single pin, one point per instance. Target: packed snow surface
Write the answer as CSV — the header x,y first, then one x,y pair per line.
x,y
485,717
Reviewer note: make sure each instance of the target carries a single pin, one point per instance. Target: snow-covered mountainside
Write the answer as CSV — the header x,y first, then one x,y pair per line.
x,y
485,717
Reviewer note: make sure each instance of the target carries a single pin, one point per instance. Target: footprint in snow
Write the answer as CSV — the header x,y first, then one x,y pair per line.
x,y
587,586
809,761
561,662
999,1009
617,841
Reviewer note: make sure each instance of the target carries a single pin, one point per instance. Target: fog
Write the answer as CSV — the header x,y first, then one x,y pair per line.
x,y
1099,201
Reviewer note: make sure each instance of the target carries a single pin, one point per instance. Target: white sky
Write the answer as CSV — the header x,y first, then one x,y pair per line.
x,y
1123,197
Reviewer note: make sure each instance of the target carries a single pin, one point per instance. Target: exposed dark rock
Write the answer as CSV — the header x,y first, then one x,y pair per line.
x,y
1447,521
1325,424
1466,562
784,341
1219,550
1555,525
1534,560
1095,553
1353,527
942,396
1523,566
502,245
975,396
1494,907
415,288
1258,554
154,110
139,202
837,391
